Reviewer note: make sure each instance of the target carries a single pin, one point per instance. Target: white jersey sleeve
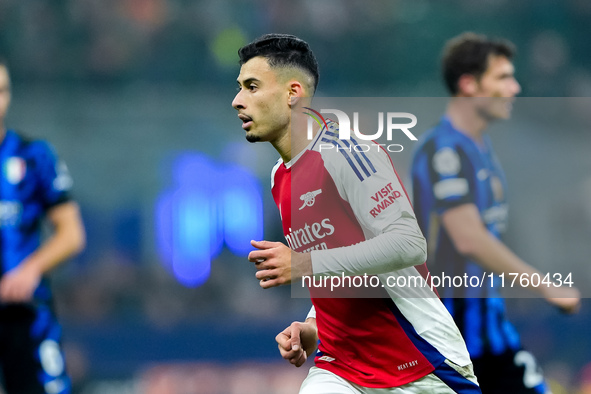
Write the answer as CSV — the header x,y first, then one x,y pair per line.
x,y
312,313
382,208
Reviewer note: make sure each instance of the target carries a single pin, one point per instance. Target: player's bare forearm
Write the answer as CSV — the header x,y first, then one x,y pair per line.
x,y
277,264
496,256
19,284
471,238
68,238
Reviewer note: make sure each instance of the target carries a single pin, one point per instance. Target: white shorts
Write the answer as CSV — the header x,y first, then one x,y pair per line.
x,y
446,379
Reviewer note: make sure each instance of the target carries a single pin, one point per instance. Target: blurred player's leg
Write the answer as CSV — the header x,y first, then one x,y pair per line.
x,y
510,372
32,359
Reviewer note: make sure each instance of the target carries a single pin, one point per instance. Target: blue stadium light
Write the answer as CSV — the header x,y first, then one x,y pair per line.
x,y
243,210
211,205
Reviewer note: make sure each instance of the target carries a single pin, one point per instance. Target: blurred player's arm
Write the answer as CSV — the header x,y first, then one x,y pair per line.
x,y
298,341
67,239
471,238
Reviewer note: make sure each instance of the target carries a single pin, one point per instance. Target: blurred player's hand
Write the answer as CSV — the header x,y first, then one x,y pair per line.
x,y
568,299
298,341
19,284
277,264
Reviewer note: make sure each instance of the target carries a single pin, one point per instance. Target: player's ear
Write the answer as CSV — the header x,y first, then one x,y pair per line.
x,y
296,92
467,85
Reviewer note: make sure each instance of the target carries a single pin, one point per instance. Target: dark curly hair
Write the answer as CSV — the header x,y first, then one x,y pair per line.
x,y
282,50
469,53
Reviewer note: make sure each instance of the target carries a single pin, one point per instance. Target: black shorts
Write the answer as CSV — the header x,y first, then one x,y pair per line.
x,y
31,359
515,372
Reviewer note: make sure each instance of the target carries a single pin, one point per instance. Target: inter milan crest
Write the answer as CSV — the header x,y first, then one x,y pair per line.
x,y
447,162
14,169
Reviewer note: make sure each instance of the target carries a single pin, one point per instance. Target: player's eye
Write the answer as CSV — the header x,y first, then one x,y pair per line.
x,y
251,87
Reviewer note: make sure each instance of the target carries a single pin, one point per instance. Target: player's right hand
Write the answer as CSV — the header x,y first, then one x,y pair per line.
x,y
18,285
296,342
277,264
567,299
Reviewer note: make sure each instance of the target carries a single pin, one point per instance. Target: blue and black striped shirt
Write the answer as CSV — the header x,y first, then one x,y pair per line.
x,y
32,182
450,169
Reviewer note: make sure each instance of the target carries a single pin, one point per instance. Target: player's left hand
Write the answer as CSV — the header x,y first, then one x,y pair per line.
x,y
298,341
19,284
277,264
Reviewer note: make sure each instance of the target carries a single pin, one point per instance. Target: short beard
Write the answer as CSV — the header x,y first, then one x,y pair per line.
x,y
252,138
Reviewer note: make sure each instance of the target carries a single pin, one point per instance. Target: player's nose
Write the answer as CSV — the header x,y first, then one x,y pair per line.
x,y
515,87
238,103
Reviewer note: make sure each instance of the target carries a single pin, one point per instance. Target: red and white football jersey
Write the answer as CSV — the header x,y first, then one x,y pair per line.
x,y
333,195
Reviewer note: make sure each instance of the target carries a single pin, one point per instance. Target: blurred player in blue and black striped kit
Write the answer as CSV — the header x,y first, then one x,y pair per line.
x,y
34,186
460,202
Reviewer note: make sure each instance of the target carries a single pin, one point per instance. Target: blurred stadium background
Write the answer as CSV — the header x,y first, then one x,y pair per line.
x,y
135,96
